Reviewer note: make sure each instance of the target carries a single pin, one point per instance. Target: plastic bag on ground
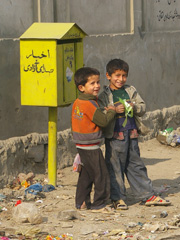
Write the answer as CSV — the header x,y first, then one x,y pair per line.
x,y
27,212
48,188
34,189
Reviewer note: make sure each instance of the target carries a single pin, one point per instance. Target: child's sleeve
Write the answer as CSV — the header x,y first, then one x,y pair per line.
x,y
102,101
101,119
139,104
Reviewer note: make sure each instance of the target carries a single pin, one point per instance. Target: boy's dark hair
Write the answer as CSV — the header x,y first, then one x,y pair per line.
x,y
82,74
116,64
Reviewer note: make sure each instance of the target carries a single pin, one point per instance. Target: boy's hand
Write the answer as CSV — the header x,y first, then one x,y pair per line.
x,y
132,104
120,108
110,107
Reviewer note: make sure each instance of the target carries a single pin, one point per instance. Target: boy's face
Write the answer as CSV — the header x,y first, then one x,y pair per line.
x,y
92,86
117,79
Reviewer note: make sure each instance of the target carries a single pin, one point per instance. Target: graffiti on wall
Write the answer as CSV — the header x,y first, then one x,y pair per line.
x,y
168,10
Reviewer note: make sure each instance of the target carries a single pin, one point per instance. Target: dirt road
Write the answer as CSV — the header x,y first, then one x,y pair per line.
x,y
138,222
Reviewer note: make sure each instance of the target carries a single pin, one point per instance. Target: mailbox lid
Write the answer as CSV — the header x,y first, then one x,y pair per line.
x,y
53,31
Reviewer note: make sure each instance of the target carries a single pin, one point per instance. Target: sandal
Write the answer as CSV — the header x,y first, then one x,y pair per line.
x,y
120,205
102,210
157,201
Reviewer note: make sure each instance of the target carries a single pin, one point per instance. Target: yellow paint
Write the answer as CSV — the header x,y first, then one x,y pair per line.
x,y
48,63
38,73
66,62
52,146
50,53
53,31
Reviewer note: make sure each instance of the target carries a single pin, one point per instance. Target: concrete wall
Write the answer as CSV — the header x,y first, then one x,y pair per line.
x,y
143,33
30,152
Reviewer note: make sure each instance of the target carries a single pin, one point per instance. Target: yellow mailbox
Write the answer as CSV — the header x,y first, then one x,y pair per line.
x,y
50,53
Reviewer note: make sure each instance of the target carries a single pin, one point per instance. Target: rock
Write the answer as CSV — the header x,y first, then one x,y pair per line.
x,y
68,215
29,176
22,177
87,229
163,214
36,153
151,227
131,224
66,225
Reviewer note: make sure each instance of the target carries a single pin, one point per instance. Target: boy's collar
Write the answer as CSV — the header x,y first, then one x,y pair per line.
x,y
112,89
84,96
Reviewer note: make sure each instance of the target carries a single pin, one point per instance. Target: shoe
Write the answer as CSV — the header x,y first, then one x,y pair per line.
x,y
120,205
157,201
102,210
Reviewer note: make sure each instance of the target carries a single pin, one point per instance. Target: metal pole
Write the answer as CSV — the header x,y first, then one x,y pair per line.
x,y
52,146
39,10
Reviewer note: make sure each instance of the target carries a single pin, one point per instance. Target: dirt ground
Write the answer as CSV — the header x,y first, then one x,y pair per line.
x,y
59,215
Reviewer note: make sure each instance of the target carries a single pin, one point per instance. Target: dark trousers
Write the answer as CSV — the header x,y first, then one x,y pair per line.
x,y
94,171
123,158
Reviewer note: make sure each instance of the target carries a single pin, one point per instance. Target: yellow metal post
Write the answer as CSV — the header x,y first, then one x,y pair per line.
x,y
52,146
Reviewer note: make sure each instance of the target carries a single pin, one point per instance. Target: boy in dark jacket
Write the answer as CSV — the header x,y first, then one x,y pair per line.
x,y
121,139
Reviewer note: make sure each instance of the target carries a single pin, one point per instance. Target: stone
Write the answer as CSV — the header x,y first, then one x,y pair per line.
x,y
36,153
68,215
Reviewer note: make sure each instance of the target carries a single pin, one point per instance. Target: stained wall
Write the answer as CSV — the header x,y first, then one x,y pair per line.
x,y
144,33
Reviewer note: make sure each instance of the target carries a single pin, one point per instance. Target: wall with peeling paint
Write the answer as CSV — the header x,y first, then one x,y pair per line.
x,y
144,33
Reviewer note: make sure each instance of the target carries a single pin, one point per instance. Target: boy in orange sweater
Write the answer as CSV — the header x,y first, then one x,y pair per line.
x,y
87,120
